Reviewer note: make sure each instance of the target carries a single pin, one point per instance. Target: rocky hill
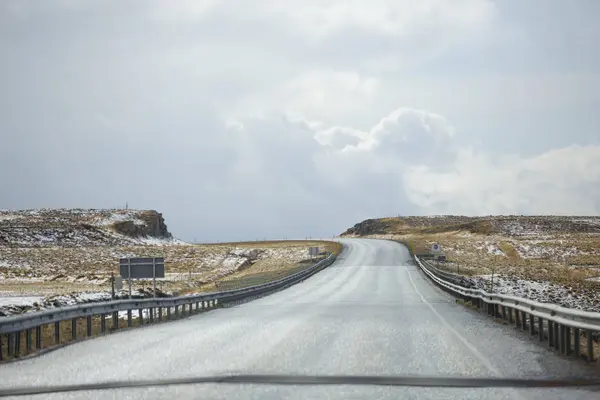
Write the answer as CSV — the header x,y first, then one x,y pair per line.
x,y
511,226
80,227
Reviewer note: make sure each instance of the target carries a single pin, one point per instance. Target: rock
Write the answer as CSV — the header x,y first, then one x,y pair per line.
x,y
154,226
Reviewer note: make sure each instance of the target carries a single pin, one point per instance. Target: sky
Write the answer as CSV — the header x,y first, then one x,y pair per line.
x,y
243,120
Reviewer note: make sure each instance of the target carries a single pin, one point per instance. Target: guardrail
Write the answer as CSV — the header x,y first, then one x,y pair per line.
x,y
556,324
175,307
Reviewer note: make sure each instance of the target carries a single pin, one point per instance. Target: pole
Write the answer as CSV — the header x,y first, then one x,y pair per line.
x,y
112,284
153,277
129,276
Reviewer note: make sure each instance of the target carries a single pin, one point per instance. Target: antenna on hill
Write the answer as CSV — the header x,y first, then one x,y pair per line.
x,y
126,205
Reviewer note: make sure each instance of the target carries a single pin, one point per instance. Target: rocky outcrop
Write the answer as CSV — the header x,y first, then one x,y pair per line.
x,y
369,227
152,224
508,225
79,227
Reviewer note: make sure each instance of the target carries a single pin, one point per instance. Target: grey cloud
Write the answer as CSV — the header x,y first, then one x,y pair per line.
x,y
186,107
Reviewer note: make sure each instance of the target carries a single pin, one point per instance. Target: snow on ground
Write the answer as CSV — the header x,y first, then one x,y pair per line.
x,y
118,216
18,300
19,305
542,291
153,241
493,248
530,250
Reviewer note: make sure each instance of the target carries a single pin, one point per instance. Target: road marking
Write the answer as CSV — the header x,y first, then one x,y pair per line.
x,y
476,352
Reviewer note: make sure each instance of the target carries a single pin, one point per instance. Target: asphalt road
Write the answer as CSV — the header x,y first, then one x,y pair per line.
x,y
372,312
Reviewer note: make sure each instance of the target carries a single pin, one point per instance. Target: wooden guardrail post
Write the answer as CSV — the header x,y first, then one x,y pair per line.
x,y
88,325
17,352
576,343
590,346
28,340
10,344
550,334
38,337
561,333
531,324
57,332
74,329
567,340
102,322
541,328
115,320
129,318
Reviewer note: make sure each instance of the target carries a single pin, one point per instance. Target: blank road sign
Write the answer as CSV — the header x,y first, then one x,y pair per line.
x,y
313,251
142,267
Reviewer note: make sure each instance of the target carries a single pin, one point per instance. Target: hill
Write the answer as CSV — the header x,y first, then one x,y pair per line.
x,y
80,227
513,226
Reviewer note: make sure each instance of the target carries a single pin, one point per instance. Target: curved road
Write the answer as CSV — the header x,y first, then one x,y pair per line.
x,y
372,312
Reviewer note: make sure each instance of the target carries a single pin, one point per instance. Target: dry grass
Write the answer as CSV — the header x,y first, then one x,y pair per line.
x,y
508,249
57,270
267,269
566,258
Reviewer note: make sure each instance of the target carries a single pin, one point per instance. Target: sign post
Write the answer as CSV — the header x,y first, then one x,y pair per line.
x,y
128,276
112,285
154,277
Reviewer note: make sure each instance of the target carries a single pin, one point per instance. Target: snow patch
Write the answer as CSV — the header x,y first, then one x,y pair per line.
x,y
541,291
493,248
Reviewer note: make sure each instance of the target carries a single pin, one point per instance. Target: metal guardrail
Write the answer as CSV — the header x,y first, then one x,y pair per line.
x,y
12,327
556,324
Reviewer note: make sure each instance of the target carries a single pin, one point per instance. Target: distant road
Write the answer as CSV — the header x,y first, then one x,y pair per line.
x,y
372,312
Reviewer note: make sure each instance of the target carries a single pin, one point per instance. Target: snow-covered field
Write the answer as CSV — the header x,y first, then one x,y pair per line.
x,y
542,291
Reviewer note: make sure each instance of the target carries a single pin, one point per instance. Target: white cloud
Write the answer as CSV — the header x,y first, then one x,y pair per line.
x,y
412,152
317,18
321,94
560,181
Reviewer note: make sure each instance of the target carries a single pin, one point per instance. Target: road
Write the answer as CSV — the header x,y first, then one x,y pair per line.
x,y
372,312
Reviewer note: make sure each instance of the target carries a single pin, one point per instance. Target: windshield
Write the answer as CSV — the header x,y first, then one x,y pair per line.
x,y
299,199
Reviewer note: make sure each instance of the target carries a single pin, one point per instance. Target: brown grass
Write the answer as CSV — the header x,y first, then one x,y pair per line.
x,y
90,262
508,249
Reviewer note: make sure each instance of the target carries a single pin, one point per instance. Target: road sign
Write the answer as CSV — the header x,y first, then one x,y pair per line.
x,y
435,248
142,268
313,251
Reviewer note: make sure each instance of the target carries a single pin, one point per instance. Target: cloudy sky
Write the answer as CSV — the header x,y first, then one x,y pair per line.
x,y
249,119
